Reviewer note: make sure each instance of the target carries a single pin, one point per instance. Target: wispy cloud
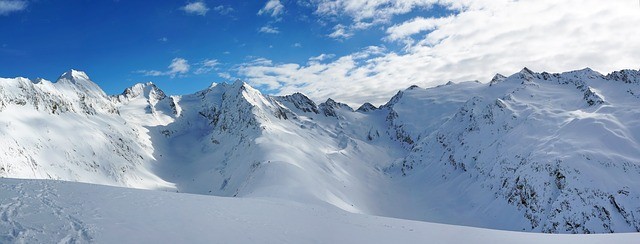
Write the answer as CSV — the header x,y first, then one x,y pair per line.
x,y
404,31
322,57
197,8
273,8
178,66
223,10
7,7
365,14
207,66
225,75
269,29
340,32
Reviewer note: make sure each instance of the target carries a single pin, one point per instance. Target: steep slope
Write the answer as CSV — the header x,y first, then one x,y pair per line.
x,y
230,140
69,130
562,148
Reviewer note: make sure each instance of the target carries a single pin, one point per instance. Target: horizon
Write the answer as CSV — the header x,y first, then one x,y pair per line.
x,y
318,101
349,51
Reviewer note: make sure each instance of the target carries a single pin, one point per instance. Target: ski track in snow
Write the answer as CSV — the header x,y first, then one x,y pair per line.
x,y
17,209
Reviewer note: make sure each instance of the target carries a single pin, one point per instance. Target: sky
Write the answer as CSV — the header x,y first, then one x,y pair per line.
x,y
353,51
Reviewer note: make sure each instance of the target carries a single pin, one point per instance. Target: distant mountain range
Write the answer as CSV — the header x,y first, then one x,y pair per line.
x,y
540,152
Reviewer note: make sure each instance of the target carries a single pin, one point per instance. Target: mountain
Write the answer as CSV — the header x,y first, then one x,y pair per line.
x,y
538,152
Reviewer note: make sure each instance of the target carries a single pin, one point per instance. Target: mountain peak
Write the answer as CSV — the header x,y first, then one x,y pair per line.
x,y
75,79
588,72
526,70
74,75
497,79
148,90
366,107
331,105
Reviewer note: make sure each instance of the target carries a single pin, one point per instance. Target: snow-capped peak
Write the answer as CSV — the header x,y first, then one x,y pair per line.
x,y
147,90
330,106
626,76
366,107
74,79
497,79
74,75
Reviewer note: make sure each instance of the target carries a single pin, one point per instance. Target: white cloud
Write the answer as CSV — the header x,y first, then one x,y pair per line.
x,y
484,38
297,44
198,8
224,10
225,75
163,39
207,66
417,25
269,29
321,57
178,66
7,7
367,13
151,72
340,32
273,8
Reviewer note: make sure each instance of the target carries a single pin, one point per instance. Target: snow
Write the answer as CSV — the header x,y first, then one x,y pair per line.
x,y
42,211
532,152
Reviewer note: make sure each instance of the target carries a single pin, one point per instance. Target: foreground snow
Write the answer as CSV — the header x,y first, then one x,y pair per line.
x,y
43,211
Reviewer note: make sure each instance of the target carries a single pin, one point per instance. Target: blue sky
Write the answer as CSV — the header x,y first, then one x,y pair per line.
x,y
351,50
113,40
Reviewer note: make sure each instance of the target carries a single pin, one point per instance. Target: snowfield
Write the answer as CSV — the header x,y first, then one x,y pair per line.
x,y
44,211
531,152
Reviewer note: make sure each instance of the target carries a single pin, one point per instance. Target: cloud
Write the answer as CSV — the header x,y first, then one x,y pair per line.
x,y
7,7
321,57
485,37
197,8
368,13
225,75
404,31
163,39
297,44
151,72
273,8
269,29
207,66
178,66
340,32
223,10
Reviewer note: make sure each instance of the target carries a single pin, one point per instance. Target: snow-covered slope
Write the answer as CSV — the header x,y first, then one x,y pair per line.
x,y
38,211
561,148
533,151
70,130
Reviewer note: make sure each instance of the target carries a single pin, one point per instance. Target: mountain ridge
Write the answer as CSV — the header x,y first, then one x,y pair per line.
x,y
468,153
